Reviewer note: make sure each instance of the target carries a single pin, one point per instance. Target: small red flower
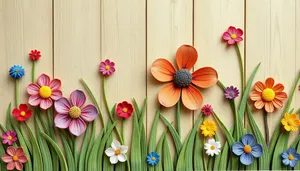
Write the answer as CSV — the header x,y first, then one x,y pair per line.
x,y
22,113
124,110
233,35
35,55
207,110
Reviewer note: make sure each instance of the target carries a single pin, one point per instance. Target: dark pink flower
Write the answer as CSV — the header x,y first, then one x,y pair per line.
x,y
9,137
233,35
207,110
124,110
73,115
15,158
107,67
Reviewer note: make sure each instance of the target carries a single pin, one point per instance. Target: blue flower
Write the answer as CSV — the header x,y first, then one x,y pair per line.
x,y
16,71
152,158
290,157
247,149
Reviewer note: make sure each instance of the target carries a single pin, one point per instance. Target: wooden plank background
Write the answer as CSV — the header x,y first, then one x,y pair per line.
x,y
74,36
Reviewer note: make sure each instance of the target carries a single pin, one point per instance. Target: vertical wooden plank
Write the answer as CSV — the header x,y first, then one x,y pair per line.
x,y
169,25
123,40
211,19
271,41
25,25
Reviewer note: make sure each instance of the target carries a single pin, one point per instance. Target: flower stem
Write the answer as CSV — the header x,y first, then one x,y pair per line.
x,y
105,99
241,67
33,72
122,131
266,128
178,118
17,93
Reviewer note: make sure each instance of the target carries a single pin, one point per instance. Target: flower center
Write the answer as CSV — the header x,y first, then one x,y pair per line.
x,y
107,67
75,112
153,158
117,152
23,113
16,70
233,36
268,94
15,158
45,92
124,109
9,138
182,78
291,157
247,149
212,147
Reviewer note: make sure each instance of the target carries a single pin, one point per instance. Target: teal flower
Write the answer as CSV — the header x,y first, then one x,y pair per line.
x,y
152,158
16,71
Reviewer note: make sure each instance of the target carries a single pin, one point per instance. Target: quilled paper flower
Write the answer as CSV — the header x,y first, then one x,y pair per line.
x,y
212,147
15,158
9,137
208,128
74,115
16,71
207,110
233,35
107,67
124,110
35,55
290,122
182,82
247,149
22,113
117,152
267,95
290,157
231,93
153,158
44,92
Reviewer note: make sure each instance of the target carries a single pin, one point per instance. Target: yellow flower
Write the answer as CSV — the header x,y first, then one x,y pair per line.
x,y
208,128
290,122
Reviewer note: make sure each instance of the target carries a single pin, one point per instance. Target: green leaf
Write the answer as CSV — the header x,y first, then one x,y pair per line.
x,y
295,142
167,160
181,165
281,146
92,140
224,157
135,146
69,154
84,148
92,159
8,117
229,138
107,166
218,157
198,153
153,135
178,114
136,108
298,149
143,147
159,166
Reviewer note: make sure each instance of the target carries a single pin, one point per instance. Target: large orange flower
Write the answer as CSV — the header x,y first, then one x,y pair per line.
x,y
182,81
267,95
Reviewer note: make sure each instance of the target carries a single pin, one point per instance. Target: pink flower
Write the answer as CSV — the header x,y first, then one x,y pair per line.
x,y
207,110
44,92
15,158
106,68
73,115
124,110
9,137
233,35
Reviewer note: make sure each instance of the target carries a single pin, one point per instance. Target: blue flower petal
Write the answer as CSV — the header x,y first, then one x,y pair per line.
x,y
248,139
297,156
291,151
150,156
16,71
284,155
238,148
293,163
246,159
257,150
286,162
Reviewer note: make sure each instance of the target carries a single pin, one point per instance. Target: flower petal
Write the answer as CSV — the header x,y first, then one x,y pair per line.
x,y
277,103
62,105
55,84
238,148
46,103
11,151
23,107
19,152
11,166
113,159
259,104
16,112
163,70
34,100
44,80
278,88
239,32
238,39
62,121
7,158
231,42
122,157
33,89
259,86
19,166
248,139
123,149
293,163
77,127
257,150
205,77
78,98
192,98
255,95
270,82
23,159
281,96
269,107
110,152
246,159
115,145
226,36
56,94
186,57
232,30
169,95
89,113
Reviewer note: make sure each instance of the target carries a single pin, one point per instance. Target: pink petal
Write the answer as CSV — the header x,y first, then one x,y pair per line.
x,y
77,127
62,105
62,121
33,89
4,136
78,98
7,158
238,39
239,32
11,151
231,42
89,113
226,36
56,94
44,80
55,84
34,100
19,166
19,152
232,30
23,159
46,103
11,166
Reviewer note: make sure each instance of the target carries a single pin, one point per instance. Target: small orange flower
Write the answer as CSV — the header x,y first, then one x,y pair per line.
x,y
182,82
267,95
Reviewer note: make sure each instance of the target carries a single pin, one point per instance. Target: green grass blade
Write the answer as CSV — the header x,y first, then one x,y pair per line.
x,y
218,157
136,108
229,137
298,149
141,120
178,114
135,146
224,155
153,135
143,147
84,147
107,166
295,142
198,153
181,165
8,118
281,146
69,154
92,159
92,140
167,160
159,166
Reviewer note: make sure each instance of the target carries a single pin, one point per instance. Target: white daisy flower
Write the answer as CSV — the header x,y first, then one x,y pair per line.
x,y
117,152
212,147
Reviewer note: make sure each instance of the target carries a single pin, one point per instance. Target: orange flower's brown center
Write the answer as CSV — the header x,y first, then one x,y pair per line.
x,y
247,149
182,78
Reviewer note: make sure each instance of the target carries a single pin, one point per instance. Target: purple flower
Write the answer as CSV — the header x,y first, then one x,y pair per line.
x,y
107,67
207,110
231,92
9,137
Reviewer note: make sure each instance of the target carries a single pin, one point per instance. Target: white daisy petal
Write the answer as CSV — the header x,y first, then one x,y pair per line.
x,y
113,159
110,152
123,149
211,141
122,157
115,145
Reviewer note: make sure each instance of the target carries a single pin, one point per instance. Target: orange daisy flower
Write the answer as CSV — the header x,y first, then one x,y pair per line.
x,y
267,95
182,82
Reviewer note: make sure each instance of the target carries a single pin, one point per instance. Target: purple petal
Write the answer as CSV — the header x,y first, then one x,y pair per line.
x,y
248,139
238,148
78,98
62,105
246,159
89,113
62,121
77,127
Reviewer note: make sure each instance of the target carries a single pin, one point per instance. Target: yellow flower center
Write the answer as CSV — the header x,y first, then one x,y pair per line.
x,y
15,158
23,113
125,109
291,157
107,67
45,92
212,147
233,36
268,94
75,112
153,158
117,152
9,138
247,149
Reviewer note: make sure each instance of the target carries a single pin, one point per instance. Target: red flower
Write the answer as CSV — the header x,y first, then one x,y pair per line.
x,y
22,113
124,110
233,35
35,55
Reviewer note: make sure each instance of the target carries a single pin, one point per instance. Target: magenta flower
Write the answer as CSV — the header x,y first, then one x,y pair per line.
x,y
73,115
233,35
107,67
231,92
207,110
9,137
